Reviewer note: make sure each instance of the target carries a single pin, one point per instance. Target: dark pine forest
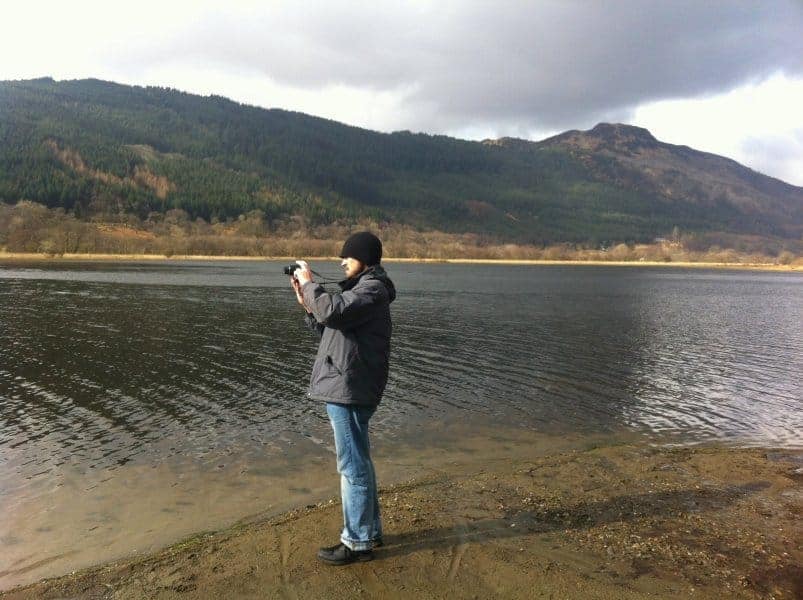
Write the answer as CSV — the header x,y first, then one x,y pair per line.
x,y
105,152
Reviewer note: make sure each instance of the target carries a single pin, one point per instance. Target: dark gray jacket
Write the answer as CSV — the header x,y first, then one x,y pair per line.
x,y
352,362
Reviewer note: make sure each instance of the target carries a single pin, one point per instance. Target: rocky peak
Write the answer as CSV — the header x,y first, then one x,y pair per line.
x,y
617,133
608,136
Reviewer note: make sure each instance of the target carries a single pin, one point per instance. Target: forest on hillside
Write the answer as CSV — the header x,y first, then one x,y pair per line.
x,y
107,153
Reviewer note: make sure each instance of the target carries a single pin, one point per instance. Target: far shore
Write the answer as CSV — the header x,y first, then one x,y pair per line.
x,y
478,261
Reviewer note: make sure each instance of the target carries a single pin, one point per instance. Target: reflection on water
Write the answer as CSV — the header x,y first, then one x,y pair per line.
x,y
112,369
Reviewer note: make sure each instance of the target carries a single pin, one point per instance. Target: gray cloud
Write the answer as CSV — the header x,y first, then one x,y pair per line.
x,y
526,65
781,155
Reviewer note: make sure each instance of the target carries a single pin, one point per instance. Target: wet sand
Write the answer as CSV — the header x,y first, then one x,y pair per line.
x,y
613,520
17,256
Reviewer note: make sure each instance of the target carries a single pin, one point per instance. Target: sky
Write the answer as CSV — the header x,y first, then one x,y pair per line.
x,y
723,76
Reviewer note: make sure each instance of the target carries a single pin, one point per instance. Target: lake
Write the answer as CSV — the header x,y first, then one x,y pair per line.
x,y
140,402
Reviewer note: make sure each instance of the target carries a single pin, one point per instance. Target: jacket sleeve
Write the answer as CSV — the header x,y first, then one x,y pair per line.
x,y
342,310
312,324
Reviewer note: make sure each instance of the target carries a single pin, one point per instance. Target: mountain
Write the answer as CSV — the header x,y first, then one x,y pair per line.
x,y
680,172
100,149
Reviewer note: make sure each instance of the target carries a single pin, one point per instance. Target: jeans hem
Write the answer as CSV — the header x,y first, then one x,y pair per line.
x,y
356,546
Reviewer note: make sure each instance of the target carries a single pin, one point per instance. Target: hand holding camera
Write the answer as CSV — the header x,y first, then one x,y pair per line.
x,y
302,272
299,275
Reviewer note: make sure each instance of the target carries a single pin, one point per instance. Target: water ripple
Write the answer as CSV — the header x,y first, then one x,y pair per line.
x,y
108,366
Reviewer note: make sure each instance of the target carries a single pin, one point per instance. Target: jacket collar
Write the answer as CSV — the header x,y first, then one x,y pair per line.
x,y
347,284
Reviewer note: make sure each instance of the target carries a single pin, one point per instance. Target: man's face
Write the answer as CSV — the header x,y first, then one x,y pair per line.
x,y
352,267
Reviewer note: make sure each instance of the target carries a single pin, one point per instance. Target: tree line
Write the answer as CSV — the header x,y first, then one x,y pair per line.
x,y
28,227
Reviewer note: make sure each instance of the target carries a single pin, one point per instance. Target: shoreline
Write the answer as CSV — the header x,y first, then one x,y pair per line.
x,y
34,257
622,521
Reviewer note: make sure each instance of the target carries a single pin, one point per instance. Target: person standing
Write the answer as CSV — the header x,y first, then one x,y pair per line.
x,y
349,374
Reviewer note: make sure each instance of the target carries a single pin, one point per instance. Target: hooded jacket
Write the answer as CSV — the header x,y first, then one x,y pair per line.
x,y
351,366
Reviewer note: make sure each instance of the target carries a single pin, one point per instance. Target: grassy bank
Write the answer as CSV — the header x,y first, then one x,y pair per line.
x,y
763,266
28,228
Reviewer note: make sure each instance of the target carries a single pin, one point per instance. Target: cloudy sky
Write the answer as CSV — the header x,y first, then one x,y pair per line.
x,y
725,76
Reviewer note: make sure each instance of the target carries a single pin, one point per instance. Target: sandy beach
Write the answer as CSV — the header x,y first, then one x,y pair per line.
x,y
614,521
18,256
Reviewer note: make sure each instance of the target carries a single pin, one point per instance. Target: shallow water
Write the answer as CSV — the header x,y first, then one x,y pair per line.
x,y
178,382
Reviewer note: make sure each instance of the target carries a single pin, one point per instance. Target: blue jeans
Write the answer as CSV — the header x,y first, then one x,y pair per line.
x,y
358,493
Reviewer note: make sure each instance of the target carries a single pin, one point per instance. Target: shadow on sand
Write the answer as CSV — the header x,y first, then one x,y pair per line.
x,y
581,516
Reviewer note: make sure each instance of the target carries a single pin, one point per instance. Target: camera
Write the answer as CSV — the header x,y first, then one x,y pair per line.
x,y
290,269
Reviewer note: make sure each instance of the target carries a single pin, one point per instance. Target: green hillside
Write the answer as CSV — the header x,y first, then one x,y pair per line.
x,y
100,149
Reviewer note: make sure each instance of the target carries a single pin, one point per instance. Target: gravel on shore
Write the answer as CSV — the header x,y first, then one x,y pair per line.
x,y
618,522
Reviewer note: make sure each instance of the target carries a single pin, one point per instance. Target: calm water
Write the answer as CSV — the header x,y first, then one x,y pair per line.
x,y
113,373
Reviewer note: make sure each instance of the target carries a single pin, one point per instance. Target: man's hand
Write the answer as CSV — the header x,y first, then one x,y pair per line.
x,y
299,277
297,288
302,274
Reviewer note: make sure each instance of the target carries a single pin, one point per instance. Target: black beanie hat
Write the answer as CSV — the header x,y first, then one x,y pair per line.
x,y
364,246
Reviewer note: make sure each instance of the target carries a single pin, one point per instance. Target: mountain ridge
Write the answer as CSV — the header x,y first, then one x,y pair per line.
x,y
100,148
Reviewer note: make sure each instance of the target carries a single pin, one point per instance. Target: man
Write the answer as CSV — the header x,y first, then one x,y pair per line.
x,y
349,374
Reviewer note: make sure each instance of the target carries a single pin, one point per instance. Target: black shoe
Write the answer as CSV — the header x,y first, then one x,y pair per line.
x,y
343,555
378,543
